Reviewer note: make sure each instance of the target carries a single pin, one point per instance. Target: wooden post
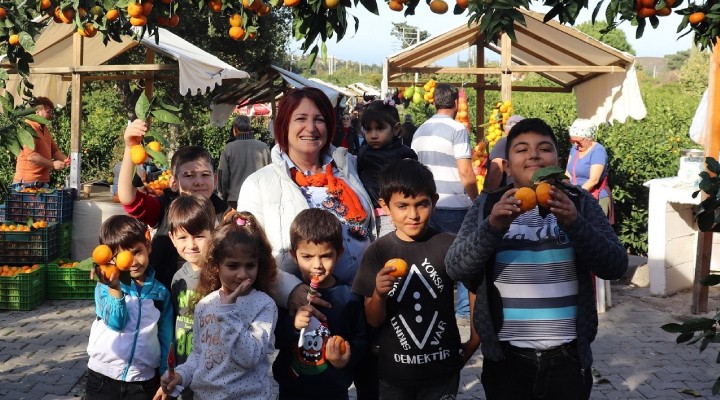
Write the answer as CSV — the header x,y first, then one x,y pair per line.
x,y
703,254
479,92
76,114
505,60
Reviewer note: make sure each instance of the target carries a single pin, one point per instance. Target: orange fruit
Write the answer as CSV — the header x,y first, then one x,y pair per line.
x,y
395,5
138,155
462,3
135,9
343,346
45,4
154,146
14,40
108,271
527,197
663,12
3,13
174,20
215,5
647,3
696,17
112,15
88,30
252,4
542,193
291,3
138,21
331,4
401,267
438,6
235,20
147,8
124,260
102,254
263,10
237,32
646,12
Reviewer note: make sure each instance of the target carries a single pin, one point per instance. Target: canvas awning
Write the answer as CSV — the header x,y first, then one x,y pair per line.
x,y
602,77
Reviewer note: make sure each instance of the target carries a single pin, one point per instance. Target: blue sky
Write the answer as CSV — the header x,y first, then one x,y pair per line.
x,y
372,42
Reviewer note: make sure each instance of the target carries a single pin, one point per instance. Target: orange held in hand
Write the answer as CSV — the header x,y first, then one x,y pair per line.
x,y
401,267
124,260
527,196
542,192
102,254
138,155
108,271
343,346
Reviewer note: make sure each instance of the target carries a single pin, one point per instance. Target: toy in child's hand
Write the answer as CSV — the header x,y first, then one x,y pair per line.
x,y
312,293
171,363
401,267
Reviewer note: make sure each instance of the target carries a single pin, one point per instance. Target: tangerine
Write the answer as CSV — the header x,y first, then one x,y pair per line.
x,y
237,32
291,3
154,146
663,12
45,4
174,20
147,8
252,4
395,5
138,21
527,197
88,30
215,5
14,40
438,6
696,17
401,267
542,192
330,4
462,3
135,9
645,12
235,20
112,15
138,155
124,260
3,13
109,271
102,254
343,346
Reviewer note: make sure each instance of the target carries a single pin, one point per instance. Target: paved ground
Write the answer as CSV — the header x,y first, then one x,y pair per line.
x,y
42,352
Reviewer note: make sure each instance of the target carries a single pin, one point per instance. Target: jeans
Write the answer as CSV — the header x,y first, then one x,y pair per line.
x,y
445,220
526,374
100,387
436,389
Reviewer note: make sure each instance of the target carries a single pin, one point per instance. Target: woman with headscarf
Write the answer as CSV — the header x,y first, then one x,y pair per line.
x,y
587,163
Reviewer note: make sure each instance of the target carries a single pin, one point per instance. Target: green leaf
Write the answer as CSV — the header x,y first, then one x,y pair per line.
x,y
165,116
86,265
26,41
712,165
37,118
159,158
716,386
549,172
25,138
370,5
684,337
699,324
14,147
168,107
710,280
152,134
142,106
673,328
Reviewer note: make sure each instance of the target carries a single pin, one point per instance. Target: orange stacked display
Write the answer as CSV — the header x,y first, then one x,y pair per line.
x,y
463,113
22,287
157,186
69,280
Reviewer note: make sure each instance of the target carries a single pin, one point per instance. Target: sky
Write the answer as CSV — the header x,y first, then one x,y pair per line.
x,y
373,42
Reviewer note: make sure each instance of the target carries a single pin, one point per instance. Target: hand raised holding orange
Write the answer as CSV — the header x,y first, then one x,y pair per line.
x,y
401,267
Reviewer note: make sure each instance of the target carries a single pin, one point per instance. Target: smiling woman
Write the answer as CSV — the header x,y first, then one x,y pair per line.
x,y
308,172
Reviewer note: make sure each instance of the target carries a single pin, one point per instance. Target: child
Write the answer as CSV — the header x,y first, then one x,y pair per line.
x,y
234,322
132,333
192,220
193,173
381,124
310,364
535,307
420,353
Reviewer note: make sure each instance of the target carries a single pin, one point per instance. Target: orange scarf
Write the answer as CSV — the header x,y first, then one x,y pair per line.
x,y
337,188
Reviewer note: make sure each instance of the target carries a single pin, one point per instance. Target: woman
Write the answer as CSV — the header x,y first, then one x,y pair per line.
x,y
587,164
307,171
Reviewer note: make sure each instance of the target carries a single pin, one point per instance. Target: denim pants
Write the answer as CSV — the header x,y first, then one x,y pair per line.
x,y
100,387
446,220
527,374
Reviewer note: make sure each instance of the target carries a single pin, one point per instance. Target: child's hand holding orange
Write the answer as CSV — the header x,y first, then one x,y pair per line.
x,y
505,211
384,281
135,132
563,208
337,351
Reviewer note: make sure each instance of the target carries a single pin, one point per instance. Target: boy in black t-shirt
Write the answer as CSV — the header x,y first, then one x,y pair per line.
x,y
420,353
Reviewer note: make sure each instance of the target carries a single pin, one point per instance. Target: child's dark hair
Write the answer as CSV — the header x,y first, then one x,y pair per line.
x,y
535,125
406,176
238,229
192,213
381,114
316,226
123,232
188,154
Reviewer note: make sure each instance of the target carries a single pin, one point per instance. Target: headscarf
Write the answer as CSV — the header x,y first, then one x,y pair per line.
x,y
582,128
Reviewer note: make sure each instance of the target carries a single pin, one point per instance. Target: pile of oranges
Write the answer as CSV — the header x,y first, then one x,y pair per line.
x,y
479,158
14,228
647,8
463,115
9,271
67,264
498,118
102,256
429,88
157,186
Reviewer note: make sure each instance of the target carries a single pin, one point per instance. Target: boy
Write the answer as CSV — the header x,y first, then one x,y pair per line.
x,y
132,333
310,364
193,173
420,353
192,220
535,308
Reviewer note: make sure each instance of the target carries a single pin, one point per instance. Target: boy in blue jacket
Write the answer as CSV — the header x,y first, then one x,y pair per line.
x,y
132,333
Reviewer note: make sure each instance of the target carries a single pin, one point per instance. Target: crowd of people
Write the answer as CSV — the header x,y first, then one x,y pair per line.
x,y
299,264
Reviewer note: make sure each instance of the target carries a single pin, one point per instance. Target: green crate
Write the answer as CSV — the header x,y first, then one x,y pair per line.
x,y
23,291
68,283
65,239
37,246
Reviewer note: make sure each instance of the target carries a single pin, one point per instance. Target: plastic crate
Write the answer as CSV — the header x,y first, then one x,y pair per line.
x,y
64,239
37,246
23,291
46,205
68,283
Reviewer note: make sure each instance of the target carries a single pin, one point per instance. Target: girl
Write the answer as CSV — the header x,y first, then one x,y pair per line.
x,y
381,124
235,320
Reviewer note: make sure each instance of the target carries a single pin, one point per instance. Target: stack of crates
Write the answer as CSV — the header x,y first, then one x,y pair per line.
x,y
26,249
65,281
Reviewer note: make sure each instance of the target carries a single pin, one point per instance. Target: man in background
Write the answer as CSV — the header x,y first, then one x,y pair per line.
x,y
239,159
